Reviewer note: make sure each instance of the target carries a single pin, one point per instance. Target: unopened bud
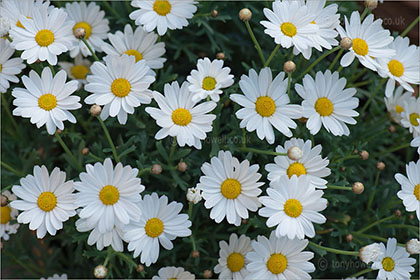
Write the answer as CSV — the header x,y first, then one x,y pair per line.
x,y
392,128
358,188
156,169
207,274
289,66
195,254
371,4
245,14
346,43
214,13
140,268
59,131
79,33
85,151
244,221
95,110
295,153
397,213
364,155
4,200
370,253
100,271
194,195
413,247
349,238
220,56
303,120
380,166
182,166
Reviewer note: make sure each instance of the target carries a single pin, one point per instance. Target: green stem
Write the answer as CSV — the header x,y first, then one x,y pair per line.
x,y
95,157
289,81
372,96
108,255
394,149
339,188
376,223
363,83
11,169
416,228
405,32
364,14
108,136
243,138
252,150
335,251
144,170
6,188
374,237
190,207
24,265
273,53
357,74
171,153
345,158
68,152
372,195
52,69
89,47
9,114
317,61
256,44
111,9
127,259
337,57
361,272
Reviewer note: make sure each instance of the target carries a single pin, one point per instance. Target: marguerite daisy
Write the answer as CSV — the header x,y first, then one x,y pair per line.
x,y
56,277
327,103
411,116
230,188
163,14
279,258
209,80
179,116
171,272
46,100
159,223
395,103
13,10
108,195
293,205
120,84
232,262
416,143
47,201
8,215
310,164
9,67
410,187
78,69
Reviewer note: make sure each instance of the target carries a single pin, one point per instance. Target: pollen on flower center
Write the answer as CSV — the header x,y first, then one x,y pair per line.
x,y
313,22
162,7
44,37
277,263
360,46
135,53
414,119
5,214
181,116
265,106
154,227
86,26
396,68
235,262
293,208
47,101
388,264
19,24
47,201
416,192
297,169
231,188
324,106
399,109
79,71
288,29
120,87
109,195
209,83
1,68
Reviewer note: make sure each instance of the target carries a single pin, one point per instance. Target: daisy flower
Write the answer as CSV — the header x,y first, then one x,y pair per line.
x,y
416,143
163,14
410,187
327,103
290,25
9,67
230,188
47,200
403,67
120,84
159,223
209,80
395,262
179,116
108,195
91,19
395,103
279,258
370,41
78,69
370,253
266,104
293,205
310,164
8,214
5,25
13,10
46,100
232,262
44,37
56,277
171,272
140,44
411,117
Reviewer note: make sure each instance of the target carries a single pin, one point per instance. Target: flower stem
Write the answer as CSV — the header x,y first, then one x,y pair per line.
x,y
373,237
68,152
243,138
108,255
252,150
95,157
340,188
9,114
90,48
376,223
144,170
190,207
335,251
372,195
256,44
317,61
345,158
108,136
171,153
361,272
405,32
273,53
337,57
416,228
372,96
364,14
127,259
394,149
11,169
289,80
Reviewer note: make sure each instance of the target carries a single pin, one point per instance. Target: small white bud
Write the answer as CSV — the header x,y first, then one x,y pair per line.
x,y
194,195
295,153
413,246
370,253
100,271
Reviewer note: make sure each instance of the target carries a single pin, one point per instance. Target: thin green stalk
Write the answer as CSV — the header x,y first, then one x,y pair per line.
x,y
243,138
357,74
190,207
364,14
68,152
337,57
345,158
273,53
144,170
108,136
24,265
335,251
317,61
372,96
6,188
11,169
364,271
374,237
90,48
344,188
252,150
52,69
394,149
256,44
171,153
108,255
111,9
127,259
359,84
289,81
95,157
9,114
372,195
376,223
416,228
405,32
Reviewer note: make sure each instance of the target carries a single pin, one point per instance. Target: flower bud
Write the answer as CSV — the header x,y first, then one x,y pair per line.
x,y
79,33
156,169
413,246
289,66
182,166
194,195
95,110
4,200
295,153
244,221
346,43
245,14
85,151
370,253
380,166
195,254
214,13
220,56
100,271
392,128
207,274
349,238
371,4
59,131
397,213
364,155
358,188
140,268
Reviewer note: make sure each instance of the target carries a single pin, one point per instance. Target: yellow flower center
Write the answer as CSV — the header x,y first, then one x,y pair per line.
x,y
293,208
209,83
413,119
47,201
235,262
231,188
324,106
120,87
19,24
44,37
1,68
388,264
181,116
277,263
399,109
297,169
265,106
396,68
109,195
47,101
5,214
79,72
135,53
154,227
417,192
86,26
360,46
288,29
162,7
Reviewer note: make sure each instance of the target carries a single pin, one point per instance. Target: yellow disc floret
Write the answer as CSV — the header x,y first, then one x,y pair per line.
x,y
162,7
209,83
416,192
324,106
265,106
230,188
154,227
293,208
79,72
44,37
47,201
5,214
388,264
47,101
135,53
235,262
414,119
360,46
297,169
120,87
109,195
288,29
277,263
86,26
396,68
181,116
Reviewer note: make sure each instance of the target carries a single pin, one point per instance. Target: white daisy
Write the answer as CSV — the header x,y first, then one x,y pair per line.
x,y
411,116
410,187
209,80
327,103
56,277
108,195
163,14
403,67
44,37
46,99
77,70
293,205
159,223
290,25
179,116
9,67
13,10
171,272
8,215
279,258
395,103
5,25
232,262
310,164
47,201
266,104
395,262
416,143
91,19
120,84
370,41
230,188
140,44
370,253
